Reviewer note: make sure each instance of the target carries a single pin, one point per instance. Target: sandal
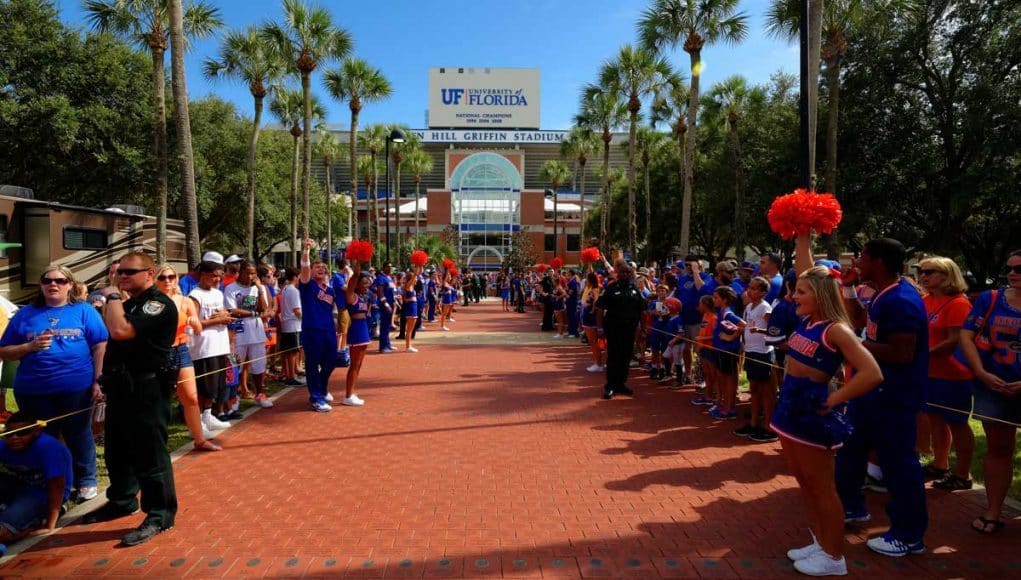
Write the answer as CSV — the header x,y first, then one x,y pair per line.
x,y
930,471
952,482
986,525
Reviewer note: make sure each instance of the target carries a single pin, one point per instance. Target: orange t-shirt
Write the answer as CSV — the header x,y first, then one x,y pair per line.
x,y
705,332
946,312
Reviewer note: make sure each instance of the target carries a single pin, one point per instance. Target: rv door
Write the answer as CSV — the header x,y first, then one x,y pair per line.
x,y
36,244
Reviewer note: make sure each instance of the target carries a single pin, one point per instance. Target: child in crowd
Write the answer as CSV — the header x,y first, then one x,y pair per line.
x,y
727,344
706,355
675,336
758,363
658,318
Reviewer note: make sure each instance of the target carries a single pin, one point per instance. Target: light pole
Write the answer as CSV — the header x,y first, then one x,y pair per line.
x,y
397,136
556,231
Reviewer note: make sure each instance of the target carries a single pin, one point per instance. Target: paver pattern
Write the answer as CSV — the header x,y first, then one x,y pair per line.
x,y
478,458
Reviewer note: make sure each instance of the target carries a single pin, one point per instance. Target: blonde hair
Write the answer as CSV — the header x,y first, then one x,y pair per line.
x,y
72,293
175,289
826,290
954,281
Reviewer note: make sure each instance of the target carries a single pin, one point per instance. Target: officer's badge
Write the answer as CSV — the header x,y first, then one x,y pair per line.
x,y
153,307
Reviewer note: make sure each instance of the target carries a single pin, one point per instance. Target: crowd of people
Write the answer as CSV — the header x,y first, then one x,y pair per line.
x,y
858,369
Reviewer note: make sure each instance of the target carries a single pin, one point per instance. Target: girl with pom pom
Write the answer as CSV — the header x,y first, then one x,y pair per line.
x,y
410,306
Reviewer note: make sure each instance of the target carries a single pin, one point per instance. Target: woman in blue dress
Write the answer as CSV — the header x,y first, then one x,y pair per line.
x,y
447,298
808,416
410,306
357,301
589,295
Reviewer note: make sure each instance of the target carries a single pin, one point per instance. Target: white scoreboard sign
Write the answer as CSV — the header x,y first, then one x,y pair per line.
x,y
497,98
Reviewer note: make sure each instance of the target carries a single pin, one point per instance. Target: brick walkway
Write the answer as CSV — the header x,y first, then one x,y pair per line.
x,y
485,458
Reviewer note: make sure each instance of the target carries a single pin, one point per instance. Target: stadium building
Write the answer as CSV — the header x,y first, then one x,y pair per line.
x,y
488,151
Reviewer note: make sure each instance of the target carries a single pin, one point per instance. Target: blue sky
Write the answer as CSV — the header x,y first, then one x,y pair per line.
x,y
567,40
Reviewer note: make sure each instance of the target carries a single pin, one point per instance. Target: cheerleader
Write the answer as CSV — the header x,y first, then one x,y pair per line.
x,y
357,306
807,418
557,300
589,295
447,298
410,307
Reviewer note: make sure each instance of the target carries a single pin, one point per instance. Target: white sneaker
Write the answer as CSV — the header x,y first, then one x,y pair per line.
x,y
594,368
328,398
88,492
821,564
353,401
412,349
444,328
557,336
263,401
451,319
237,405
206,433
212,423
888,545
802,553
322,407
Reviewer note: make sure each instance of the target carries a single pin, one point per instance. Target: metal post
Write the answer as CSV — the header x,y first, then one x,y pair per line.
x,y
556,230
804,108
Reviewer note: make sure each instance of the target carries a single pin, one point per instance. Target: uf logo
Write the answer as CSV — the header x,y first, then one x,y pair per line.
x,y
451,96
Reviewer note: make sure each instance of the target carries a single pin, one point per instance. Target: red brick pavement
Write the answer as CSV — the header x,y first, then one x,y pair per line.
x,y
477,460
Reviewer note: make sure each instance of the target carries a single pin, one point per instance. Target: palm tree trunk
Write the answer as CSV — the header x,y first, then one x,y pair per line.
x,y
159,90
375,202
352,148
306,165
739,218
648,212
632,219
295,161
329,216
815,8
253,146
604,219
581,200
689,153
183,122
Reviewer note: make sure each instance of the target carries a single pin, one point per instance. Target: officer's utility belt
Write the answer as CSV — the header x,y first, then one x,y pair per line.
x,y
124,380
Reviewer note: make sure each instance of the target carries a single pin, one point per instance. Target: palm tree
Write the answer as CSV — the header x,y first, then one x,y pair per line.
x,y
373,140
647,141
328,149
671,106
287,106
418,162
397,153
356,82
245,57
307,38
633,74
555,172
602,110
728,99
146,23
369,168
692,24
578,145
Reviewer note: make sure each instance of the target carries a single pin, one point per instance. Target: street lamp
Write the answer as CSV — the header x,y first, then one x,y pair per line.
x,y
397,136
556,232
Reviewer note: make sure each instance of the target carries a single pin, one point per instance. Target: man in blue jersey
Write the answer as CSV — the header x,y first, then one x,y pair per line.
x,y
384,288
690,281
769,267
573,293
896,333
318,330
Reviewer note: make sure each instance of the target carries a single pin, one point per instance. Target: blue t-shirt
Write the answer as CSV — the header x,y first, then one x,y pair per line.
x,y
1004,332
711,284
674,326
385,284
688,294
186,283
726,323
775,286
316,306
66,366
40,462
898,309
783,321
573,290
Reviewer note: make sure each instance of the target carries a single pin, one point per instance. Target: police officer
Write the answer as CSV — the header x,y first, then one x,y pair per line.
x,y
138,379
620,309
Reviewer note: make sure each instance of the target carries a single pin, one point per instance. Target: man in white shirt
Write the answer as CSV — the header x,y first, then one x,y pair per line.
x,y
758,362
290,327
246,299
209,349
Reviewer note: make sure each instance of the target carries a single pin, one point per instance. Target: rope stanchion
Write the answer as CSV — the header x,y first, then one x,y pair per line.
x,y
839,382
45,422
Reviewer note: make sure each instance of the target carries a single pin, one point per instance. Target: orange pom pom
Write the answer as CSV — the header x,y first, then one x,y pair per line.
x,y
802,211
540,268
557,263
590,255
359,251
419,257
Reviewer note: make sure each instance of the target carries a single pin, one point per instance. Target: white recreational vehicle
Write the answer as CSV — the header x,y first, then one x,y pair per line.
x,y
84,240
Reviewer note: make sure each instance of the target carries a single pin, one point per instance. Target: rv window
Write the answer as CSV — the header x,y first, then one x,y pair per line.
x,y
84,239
3,234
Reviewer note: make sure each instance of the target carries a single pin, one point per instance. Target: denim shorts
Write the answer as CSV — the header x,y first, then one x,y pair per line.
x,y
183,356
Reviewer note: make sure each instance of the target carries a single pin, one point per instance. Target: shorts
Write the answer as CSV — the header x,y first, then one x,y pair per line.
x,y
211,378
691,332
290,340
343,321
658,339
796,416
989,403
674,353
505,294
24,508
955,394
410,309
726,362
707,355
182,356
757,365
256,353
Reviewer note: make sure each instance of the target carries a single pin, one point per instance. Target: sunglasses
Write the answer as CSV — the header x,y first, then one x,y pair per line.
x,y
166,277
58,281
927,272
1009,269
130,271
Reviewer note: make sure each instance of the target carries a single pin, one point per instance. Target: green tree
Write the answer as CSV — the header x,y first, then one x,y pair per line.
x,y
245,57
602,110
357,83
369,168
634,73
147,24
328,149
555,172
691,24
307,37
287,106
648,142
373,140
577,146
419,162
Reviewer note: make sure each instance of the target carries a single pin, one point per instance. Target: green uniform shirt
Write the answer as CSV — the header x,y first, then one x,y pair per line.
x,y
154,316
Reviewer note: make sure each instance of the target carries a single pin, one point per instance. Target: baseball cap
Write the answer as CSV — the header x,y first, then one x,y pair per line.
x,y
749,266
232,258
215,257
680,265
831,264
